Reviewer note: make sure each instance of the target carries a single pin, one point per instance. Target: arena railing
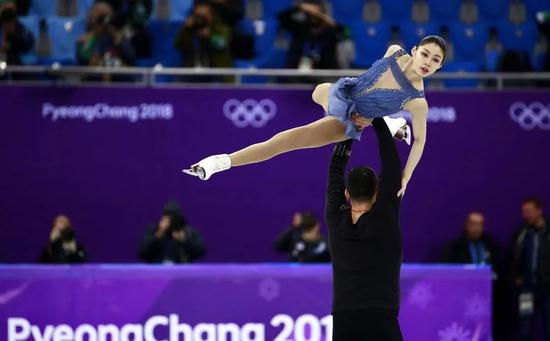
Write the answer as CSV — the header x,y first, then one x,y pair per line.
x,y
151,77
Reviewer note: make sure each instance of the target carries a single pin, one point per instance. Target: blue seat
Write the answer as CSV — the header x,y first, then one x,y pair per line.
x,y
263,31
64,32
492,11
518,37
163,33
347,12
444,11
395,14
492,58
534,6
370,42
84,6
31,23
272,7
469,41
179,9
461,66
412,33
43,8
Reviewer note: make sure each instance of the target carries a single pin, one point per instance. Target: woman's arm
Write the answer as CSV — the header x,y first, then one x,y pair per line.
x,y
419,110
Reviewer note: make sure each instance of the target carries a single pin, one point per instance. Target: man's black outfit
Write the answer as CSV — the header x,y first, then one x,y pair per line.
x,y
367,255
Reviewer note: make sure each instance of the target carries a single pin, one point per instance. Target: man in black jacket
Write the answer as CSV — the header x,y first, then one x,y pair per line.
x,y
314,36
303,242
531,268
473,246
172,240
15,39
365,243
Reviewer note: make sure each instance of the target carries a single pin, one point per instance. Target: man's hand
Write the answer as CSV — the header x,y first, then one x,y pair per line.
x,y
360,122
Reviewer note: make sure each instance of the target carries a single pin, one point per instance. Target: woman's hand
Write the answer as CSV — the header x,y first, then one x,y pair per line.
x,y
360,122
404,183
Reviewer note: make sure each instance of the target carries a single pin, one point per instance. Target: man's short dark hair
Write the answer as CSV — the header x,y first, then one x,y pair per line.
x,y
362,184
309,221
533,200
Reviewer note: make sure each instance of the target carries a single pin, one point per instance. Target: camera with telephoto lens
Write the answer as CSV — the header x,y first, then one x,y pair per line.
x,y
67,235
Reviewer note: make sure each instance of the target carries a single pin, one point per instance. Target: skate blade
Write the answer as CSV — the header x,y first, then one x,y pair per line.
x,y
190,171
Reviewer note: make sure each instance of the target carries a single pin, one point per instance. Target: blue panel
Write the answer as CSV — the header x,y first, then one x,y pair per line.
x,y
370,42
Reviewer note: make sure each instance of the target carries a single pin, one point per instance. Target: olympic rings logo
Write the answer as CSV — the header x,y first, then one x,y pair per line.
x,y
531,116
249,112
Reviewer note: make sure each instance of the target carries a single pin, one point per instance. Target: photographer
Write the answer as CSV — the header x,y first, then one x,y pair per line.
x,y
204,39
172,240
104,44
135,14
63,247
314,36
303,241
16,39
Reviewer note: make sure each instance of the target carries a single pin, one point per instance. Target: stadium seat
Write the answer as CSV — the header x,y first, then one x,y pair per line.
x,y
370,42
31,23
163,33
492,11
84,6
178,9
347,12
518,37
64,32
461,66
444,11
272,7
469,41
43,8
264,33
395,14
534,6
412,33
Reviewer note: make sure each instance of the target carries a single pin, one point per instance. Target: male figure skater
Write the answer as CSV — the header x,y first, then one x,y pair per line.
x,y
365,243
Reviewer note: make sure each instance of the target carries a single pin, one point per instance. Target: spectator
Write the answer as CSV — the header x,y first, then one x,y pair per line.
x,y
314,36
473,246
16,39
303,241
172,240
231,12
63,246
133,15
292,234
531,269
205,40
104,43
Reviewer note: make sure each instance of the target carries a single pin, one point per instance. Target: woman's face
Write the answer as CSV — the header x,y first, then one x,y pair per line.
x,y
427,59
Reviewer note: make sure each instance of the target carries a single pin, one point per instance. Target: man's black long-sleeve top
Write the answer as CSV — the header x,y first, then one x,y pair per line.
x,y
367,255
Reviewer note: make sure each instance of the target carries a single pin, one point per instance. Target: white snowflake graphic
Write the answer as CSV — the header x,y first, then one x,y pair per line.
x,y
9,295
421,295
454,332
477,307
269,289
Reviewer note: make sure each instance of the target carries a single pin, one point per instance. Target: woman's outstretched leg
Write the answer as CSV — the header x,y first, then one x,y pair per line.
x,y
319,133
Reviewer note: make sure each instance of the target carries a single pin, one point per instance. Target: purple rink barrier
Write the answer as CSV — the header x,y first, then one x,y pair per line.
x,y
110,157
225,302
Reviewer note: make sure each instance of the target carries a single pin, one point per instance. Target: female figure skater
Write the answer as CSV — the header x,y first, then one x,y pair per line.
x,y
393,83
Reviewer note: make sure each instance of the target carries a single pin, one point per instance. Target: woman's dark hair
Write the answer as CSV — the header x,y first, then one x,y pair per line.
x,y
436,40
